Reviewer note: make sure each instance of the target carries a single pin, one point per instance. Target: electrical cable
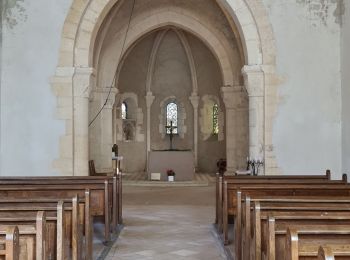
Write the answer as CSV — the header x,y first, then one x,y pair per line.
x,y
115,74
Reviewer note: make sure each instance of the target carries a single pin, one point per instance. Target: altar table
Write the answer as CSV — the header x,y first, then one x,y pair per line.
x,y
181,162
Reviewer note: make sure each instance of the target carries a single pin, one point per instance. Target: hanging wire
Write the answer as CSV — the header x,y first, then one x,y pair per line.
x,y
115,74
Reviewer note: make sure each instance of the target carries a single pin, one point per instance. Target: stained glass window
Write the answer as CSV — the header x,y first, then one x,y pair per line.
x,y
124,110
171,117
215,119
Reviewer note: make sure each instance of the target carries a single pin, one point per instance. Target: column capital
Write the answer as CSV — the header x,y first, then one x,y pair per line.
x,y
229,95
83,79
254,80
149,99
106,93
194,98
89,71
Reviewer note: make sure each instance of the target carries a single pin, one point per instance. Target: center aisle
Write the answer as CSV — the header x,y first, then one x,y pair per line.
x,y
168,223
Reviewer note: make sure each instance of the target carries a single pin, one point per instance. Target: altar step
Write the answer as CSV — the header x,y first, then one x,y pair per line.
x,y
140,179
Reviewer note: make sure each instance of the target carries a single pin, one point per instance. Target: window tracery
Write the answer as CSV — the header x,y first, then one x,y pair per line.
x,y
172,117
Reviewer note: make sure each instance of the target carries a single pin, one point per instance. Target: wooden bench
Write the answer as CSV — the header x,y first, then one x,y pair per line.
x,y
233,197
249,178
269,228
9,243
288,207
65,221
235,182
305,241
105,191
31,235
326,253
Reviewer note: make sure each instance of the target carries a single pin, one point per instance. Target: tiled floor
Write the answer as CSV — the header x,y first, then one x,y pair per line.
x,y
168,223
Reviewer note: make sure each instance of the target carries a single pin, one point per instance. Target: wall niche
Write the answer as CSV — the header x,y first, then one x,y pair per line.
x,y
130,121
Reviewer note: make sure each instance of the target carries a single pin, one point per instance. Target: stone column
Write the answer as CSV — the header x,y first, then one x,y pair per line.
x,y
254,83
82,83
229,96
105,130
194,98
149,101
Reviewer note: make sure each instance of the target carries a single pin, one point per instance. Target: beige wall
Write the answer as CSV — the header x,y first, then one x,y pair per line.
x,y
345,54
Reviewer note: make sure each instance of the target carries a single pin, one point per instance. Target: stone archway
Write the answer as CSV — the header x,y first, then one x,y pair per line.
x,y
75,76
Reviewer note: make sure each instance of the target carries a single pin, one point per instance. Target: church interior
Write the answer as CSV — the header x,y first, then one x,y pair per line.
x,y
174,129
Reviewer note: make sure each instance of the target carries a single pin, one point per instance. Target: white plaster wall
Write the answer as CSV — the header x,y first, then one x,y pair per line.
x,y
29,132
307,128
345,54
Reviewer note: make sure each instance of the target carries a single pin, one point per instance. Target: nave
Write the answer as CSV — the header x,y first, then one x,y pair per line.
x,y
167,223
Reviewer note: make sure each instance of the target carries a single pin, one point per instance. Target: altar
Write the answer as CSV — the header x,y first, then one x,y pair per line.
x,y
181,162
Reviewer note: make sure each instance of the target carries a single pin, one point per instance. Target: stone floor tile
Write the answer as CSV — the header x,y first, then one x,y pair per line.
x,y
167,224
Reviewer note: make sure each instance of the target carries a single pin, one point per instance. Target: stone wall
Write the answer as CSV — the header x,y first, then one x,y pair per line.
x,y
172,77
345,54
307,127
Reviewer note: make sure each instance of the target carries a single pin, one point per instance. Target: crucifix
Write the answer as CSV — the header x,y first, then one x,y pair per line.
x,y
171,133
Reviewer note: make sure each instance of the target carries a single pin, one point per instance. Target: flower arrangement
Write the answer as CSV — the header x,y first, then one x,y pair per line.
x,y
170,172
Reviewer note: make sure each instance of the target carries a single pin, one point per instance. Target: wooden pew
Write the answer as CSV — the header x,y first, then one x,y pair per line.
x,y
326,253
65,222
235,182
264,206
105,193
269,229
9,245
233,195
278,190
304,241
76,215
249,178
31,234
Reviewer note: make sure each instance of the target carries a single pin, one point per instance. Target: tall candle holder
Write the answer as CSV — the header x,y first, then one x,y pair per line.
x,y
254,165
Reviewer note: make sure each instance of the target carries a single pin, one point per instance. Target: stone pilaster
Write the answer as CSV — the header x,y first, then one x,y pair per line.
x,y
194,98
229,96
254,83
104,122
149,101
62,84
83,80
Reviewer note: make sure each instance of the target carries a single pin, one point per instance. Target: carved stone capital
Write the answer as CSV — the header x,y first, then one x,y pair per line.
x,y
149,99
254,80
230,96
83,80
107,95
194,100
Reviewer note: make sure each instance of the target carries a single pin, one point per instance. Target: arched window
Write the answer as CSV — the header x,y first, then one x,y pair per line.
x,y
171,118
215,119
124,110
